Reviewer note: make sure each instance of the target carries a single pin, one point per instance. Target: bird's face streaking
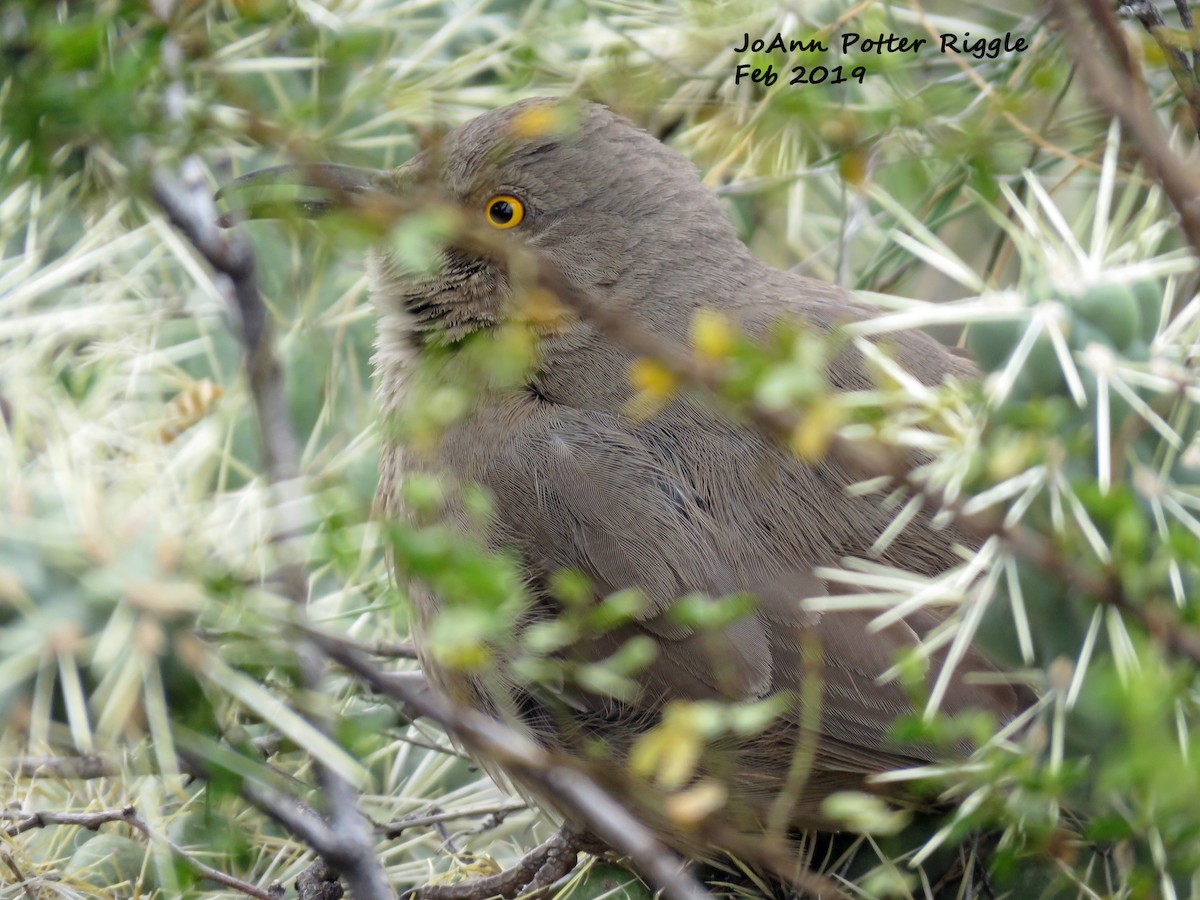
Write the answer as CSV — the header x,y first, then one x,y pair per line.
x,y
572,182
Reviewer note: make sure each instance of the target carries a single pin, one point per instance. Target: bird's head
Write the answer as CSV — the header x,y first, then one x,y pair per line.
x,y
614,211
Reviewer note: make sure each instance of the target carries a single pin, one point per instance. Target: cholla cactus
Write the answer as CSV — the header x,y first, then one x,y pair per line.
x,y
147,634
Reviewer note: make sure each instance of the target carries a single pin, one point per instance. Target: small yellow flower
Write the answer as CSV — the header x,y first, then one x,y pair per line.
x,y
1154,55
668,753
712,334
812,436
535,121
651,377
691,806
865,813
654,385
468,656
852,165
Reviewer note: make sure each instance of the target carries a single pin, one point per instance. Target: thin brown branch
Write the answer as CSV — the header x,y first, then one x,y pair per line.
x,y
1126,99
1184,72
528,877
318,882
26,888
496,811
292,815
385,649
416,678
127,815
27,821
392,649
289,812
70,767
191,210
574,789
1110,28
1189,25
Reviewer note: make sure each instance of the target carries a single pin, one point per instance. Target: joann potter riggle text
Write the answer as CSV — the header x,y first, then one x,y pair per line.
x,y
853,42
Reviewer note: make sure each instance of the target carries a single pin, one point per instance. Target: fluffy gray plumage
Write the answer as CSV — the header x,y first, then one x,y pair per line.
x,y
688,501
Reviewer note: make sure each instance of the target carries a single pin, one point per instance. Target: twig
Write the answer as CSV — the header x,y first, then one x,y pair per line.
x,y
75,767
577,793
1185,74
499,811
430,745
318,882
298,818
535,871
392,649
1189,25
190,209
27,821
1131,105
18,874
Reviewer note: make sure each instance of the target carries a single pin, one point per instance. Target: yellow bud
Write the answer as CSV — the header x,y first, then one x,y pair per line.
x,y
1154,55
691,806
651,377
814,433
853,166
535,121
712,335
465,657
540,310
654,385
646,752
667,753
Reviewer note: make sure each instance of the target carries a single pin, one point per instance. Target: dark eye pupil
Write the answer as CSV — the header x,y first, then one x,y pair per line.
x,y
502,212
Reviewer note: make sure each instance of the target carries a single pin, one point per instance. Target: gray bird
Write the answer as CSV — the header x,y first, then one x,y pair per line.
x,y
689,500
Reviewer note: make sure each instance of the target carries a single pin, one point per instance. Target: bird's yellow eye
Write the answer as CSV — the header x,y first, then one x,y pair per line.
x,y
505,211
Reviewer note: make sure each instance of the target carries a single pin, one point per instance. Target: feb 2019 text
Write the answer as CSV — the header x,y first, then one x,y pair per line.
x,y
852,42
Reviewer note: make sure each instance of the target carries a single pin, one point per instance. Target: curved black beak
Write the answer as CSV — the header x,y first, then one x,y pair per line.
x,y
258,195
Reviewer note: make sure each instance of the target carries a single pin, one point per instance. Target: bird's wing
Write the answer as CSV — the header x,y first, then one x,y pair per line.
x,y
575,489
859,705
